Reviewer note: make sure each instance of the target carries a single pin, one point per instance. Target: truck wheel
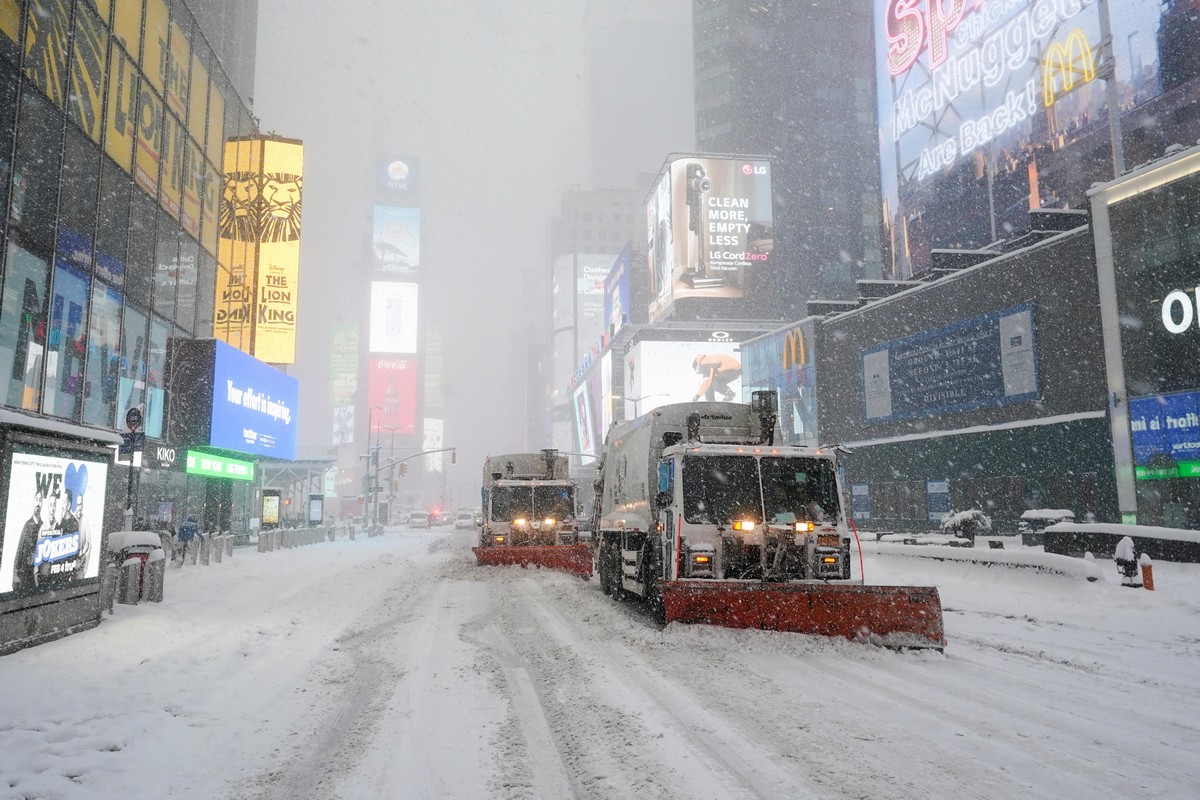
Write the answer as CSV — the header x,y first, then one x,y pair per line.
x,y
653,584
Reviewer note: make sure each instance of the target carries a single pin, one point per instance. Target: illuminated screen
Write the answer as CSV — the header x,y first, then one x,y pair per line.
x,y
710,223
393,327
253,405
658,373
396,239
392,392
53,515
981,105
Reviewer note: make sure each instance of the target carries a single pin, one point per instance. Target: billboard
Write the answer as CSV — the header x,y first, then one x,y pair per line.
x,y
710,224
392,390
985,361
233,402
211,465
343,425
393,324
343,365
981,103
432,439
616,293
397,178
1166,435
396,239
658,373
785,361
53,517
583,409
259,247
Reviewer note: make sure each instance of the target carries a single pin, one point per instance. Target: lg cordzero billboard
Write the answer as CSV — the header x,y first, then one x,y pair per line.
x,y
393,323
234,402
709,226
990,108
53,514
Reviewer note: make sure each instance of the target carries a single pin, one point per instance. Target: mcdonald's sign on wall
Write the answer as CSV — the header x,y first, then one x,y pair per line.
x,y
786,362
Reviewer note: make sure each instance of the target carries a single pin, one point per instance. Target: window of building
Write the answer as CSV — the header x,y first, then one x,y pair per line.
x,y
186,285
206,279
23,326
35,172
8,122
139,273
78,190
131,385
66,348
166,266
156,367
112,225
103,356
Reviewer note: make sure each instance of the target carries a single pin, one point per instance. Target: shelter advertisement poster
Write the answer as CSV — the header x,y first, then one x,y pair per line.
x,y
396,239
985,361
53,517
392,390
659,373
710,222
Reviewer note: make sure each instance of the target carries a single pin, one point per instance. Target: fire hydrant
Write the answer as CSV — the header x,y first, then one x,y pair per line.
x,y
1127,563
1147,571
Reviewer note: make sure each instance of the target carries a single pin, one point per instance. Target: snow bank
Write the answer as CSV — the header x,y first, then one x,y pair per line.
x,y
1028,559
1048,513
1136,531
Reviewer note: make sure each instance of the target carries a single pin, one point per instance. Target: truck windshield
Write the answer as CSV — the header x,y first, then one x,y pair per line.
x,y
557,502
720,489
511,502
799,490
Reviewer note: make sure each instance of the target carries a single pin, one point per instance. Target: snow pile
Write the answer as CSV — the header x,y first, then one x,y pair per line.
x,y
1136,531
1030,559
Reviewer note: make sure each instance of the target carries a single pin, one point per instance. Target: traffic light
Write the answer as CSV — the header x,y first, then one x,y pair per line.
x,y
453,456
404,469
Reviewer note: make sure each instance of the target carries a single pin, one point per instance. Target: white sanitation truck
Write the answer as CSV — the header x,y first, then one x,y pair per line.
x,y
700,515
529,513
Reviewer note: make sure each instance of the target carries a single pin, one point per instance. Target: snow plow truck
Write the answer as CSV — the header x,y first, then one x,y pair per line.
x,y
704,519
529,514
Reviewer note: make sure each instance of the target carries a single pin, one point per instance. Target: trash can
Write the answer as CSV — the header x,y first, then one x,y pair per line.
x,y
133,546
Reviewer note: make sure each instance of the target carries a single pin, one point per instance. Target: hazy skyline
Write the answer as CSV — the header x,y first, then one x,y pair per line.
x,y
494,101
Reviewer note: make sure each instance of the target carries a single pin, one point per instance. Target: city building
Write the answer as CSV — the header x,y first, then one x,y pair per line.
x,y
114,124
795,83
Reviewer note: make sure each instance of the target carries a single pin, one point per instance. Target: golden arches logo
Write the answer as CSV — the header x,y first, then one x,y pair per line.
x,y
1072,60
795,354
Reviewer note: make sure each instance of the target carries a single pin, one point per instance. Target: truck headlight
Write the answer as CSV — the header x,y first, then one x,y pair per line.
x,y
743,525
520,522
549,521
804,527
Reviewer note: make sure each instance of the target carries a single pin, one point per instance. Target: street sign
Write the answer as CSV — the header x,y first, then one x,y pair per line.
x,y
131,443
133,418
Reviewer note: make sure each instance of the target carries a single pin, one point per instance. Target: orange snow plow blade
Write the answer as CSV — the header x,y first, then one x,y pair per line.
x,y
893,616
575,558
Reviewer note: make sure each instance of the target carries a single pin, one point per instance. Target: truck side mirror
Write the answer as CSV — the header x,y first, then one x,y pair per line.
x,y
663,499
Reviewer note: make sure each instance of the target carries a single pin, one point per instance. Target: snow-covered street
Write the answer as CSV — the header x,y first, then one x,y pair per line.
x,y
395,667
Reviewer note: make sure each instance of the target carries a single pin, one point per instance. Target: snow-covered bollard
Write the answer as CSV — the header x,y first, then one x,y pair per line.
x,y
1147,571
1127,563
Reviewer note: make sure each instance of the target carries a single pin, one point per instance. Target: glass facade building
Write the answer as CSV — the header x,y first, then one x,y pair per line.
x,y
114,115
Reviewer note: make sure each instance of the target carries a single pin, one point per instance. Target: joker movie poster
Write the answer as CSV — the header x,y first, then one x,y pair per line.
x,y
52,522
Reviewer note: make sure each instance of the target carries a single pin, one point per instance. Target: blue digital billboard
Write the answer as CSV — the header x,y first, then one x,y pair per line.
x,y
1166,434
253,405
616,293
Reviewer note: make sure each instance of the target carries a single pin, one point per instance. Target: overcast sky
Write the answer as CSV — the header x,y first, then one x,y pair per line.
x,y
491,97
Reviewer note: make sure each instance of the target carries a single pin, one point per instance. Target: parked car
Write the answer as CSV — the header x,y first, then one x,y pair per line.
x,y
419,519
464,520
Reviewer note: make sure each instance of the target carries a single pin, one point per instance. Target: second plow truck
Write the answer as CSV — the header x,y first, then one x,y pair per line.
x,y
702,517
529,514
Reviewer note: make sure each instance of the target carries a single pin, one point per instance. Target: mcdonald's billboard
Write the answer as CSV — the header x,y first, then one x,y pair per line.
x,y
976,98
786,362
259,247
